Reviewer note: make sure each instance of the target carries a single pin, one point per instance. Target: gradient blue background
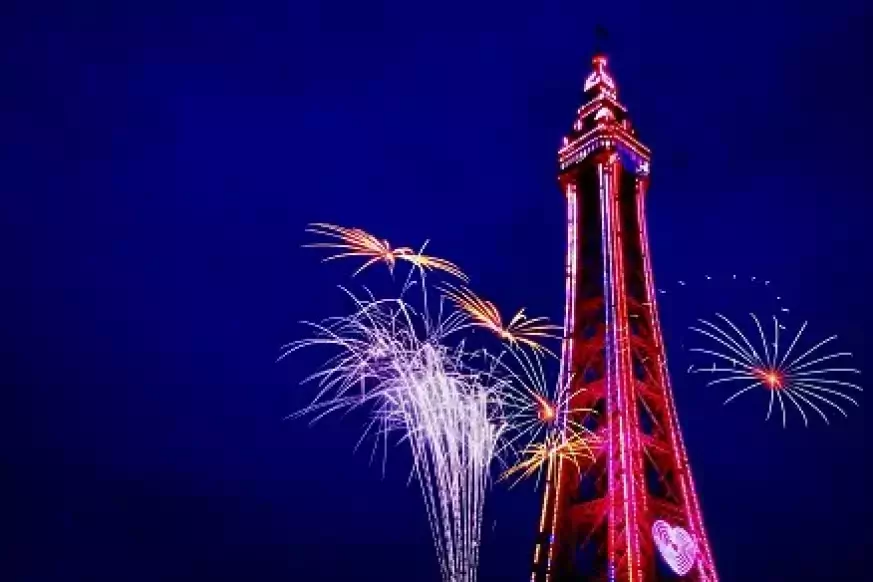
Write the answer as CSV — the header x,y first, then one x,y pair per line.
x,y
160,160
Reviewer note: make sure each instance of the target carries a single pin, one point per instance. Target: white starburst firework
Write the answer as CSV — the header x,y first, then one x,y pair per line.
x,y
396,360
459,410
803,380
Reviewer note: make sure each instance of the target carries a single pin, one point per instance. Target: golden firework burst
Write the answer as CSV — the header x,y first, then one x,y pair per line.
x,y
555,447
520,330
355,242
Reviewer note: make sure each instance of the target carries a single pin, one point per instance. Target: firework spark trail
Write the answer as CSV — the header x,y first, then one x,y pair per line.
x,y
555,447
802,380
458,410
427,262
520,330
452,452
395,359
354,242
539,417
534,410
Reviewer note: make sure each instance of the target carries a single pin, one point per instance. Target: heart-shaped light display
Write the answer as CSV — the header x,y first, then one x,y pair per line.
x,y
676,545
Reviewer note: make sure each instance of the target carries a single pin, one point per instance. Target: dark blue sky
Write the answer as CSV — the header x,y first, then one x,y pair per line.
x,y
160,160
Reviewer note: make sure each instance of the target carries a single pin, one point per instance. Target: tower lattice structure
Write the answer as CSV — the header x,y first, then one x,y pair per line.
x,y
630,514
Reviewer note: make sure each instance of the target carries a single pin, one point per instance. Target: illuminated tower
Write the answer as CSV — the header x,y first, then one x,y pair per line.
x,y
631,514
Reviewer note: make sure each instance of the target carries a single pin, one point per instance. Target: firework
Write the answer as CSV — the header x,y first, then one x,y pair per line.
x,y
438,399
354,242
719,287
426,262
541,424
805,381
519,331
555,447
459,411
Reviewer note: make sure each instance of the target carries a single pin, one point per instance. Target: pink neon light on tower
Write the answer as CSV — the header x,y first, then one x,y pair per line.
x,y
632,514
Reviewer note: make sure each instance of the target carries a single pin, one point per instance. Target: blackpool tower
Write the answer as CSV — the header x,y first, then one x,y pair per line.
x,y
630,513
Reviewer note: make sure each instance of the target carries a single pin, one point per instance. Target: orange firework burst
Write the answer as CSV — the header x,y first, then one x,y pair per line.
x,y
555,447
354,242
772,378
546,412
539,414
519,330
426,262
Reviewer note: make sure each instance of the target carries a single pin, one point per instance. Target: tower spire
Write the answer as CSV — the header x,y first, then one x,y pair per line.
x,y
599,81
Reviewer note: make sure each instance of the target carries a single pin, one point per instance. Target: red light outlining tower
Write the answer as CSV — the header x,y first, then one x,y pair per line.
x,y
631,514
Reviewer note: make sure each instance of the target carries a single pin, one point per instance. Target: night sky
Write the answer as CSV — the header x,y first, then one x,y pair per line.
x,y
160,161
